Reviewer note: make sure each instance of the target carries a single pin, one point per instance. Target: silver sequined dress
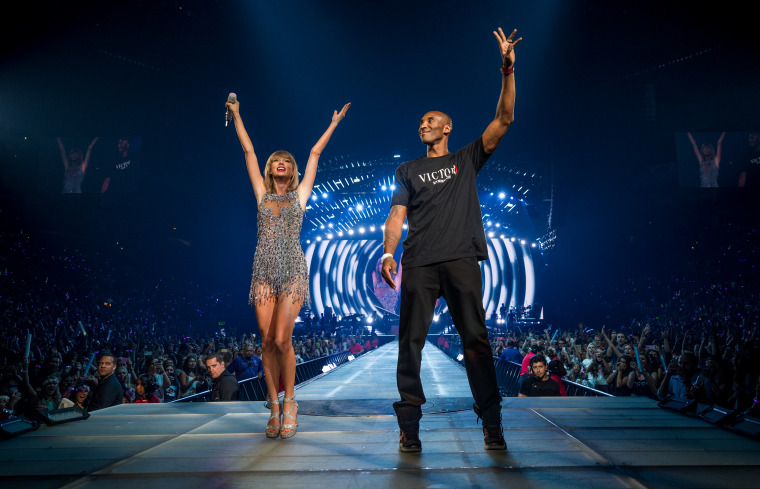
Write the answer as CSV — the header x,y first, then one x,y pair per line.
x,y
279,265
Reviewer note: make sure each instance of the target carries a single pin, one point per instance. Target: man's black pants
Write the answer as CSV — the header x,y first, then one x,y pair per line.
x,y
459,282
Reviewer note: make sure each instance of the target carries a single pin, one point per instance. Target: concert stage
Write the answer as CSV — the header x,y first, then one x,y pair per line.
x,y
348,438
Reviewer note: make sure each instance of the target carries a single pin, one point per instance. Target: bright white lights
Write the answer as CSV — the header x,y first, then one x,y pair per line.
x,y
372,229
502,195
393,187
324,195
460,357
313,197
436,318
359,207
490,234
384,188
522,241
361,230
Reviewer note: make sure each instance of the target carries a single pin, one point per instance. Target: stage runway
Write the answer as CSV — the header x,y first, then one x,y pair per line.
x,y
348,438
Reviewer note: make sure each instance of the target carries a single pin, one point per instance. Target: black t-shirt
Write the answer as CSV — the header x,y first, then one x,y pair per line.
x,y
124,175
107,393
532,387
443,210
751,167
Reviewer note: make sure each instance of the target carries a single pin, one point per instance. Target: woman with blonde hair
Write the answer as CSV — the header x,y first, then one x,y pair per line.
x,y
280,278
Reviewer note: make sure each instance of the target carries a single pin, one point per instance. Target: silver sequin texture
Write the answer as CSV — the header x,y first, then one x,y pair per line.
x,y
279,265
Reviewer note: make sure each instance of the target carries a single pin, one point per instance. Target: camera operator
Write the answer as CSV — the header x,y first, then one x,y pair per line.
x,y
224,387
539,384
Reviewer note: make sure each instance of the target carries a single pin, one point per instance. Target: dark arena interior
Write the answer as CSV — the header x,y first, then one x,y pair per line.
x,y
620,214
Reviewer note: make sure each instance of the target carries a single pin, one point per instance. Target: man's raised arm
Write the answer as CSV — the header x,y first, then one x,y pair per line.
x,y
505,109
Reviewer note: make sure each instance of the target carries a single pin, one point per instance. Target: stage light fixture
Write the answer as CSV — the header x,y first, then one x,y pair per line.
x,y
715,414
66,415
678,405
502,195
746,425
16,426
324,195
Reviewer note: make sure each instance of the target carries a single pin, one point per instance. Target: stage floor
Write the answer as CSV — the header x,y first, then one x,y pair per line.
x,y
349,439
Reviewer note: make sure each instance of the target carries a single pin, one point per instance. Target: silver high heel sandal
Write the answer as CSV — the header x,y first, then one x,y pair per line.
x,y
291,427
273,431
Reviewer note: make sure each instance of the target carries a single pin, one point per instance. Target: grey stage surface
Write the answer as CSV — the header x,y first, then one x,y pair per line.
x,y
561,443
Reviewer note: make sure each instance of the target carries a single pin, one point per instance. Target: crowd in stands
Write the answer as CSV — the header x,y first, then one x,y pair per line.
x,y
73,306
713,326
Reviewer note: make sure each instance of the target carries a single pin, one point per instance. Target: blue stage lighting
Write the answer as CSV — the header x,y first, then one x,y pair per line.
x,y
324,195
502,195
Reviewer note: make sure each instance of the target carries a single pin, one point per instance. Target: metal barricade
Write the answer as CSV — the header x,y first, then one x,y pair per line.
x,y
255,389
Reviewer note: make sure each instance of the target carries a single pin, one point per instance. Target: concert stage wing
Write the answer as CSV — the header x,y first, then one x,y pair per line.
x,y
348,439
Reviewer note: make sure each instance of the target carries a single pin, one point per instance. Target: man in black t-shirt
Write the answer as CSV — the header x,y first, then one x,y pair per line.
x,y
439,197
539,384
121,175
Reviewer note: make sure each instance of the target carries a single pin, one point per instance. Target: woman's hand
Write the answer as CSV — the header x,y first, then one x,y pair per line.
x,y
234,107
338,116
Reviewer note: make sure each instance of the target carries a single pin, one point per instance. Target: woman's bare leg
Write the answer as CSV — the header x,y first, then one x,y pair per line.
x,y
265,315
284,318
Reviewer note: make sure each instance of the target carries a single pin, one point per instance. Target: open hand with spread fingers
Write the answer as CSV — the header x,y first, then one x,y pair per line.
x,y
507,47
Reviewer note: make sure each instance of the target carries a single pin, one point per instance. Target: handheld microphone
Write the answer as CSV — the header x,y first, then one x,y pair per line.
x,y
232,98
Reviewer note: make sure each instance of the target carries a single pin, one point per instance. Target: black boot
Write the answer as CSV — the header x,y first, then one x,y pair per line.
x,y
493,434
409,422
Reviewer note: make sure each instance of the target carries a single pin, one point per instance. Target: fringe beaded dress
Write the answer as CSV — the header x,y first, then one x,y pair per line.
x,y
279,265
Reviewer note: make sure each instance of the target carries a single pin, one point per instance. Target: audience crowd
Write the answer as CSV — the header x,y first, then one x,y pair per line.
x,y
72,306
692,335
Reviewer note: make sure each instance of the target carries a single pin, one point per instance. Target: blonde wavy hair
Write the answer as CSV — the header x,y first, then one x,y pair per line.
x,y
269,180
